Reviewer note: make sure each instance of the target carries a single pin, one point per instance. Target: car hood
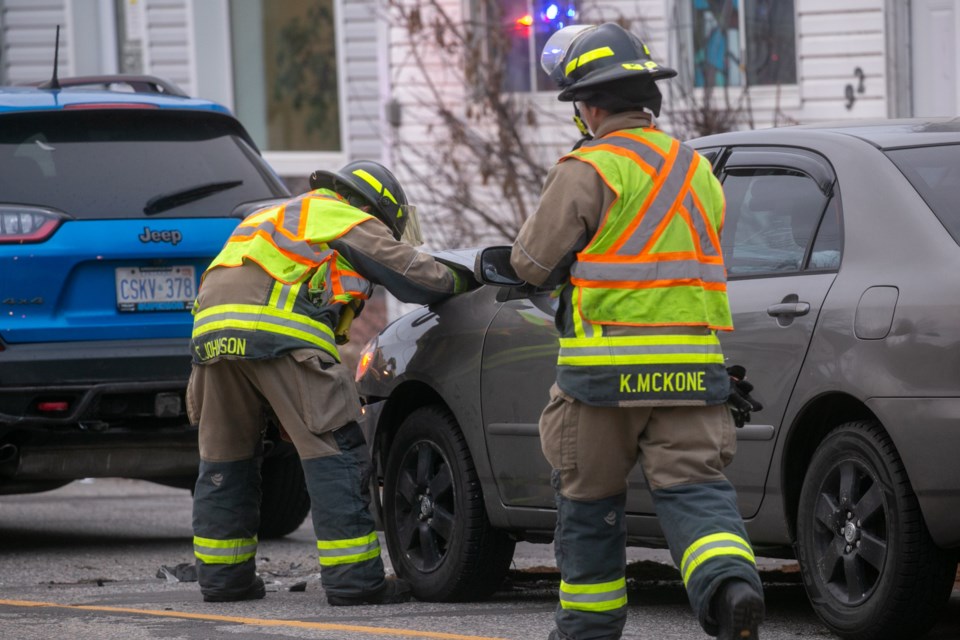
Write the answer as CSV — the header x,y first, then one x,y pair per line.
x,y
459,258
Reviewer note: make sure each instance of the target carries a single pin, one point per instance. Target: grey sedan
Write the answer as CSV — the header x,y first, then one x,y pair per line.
x,y
841,246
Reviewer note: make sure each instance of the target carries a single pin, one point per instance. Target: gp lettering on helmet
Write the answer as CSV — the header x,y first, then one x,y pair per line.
x,y
583,59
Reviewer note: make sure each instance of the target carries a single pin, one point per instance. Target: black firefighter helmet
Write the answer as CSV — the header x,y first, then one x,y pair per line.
x,y
581,58
375,184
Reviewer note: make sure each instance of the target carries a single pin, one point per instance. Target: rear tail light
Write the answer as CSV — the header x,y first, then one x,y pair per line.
x,y
53,406
20,224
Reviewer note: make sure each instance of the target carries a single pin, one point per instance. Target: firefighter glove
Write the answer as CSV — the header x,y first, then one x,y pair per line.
x,y
741,403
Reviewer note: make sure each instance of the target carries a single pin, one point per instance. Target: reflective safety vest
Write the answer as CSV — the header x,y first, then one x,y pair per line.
x,y
655,261
313,285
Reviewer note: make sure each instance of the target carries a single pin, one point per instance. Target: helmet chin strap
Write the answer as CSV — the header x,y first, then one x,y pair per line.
x,y
585,135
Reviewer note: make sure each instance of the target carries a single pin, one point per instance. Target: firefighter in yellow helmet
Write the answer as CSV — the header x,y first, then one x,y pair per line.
x,y
271,310
628,227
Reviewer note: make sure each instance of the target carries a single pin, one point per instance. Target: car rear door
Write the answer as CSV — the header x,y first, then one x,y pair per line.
x,y
782,247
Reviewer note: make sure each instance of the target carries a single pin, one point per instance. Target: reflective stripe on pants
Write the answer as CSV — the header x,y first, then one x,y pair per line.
x,y
590,545
712,546
708,541
334,552
603,596
347,544
226,517
233,551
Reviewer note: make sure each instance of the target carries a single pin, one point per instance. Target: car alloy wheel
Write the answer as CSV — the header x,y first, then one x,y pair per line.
x,y
869,565
435,522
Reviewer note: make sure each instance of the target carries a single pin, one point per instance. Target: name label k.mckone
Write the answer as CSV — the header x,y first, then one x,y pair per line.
x,y
662,382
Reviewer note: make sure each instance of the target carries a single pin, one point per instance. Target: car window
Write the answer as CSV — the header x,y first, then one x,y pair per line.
x,y
935,173
828,243
771,219
130,163
710,154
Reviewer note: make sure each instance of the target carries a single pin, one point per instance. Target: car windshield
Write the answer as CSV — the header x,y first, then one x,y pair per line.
x,y
94,164
935,173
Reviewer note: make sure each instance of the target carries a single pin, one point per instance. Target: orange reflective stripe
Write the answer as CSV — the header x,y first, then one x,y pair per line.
x,y
649,284
711,233
283,221
714,286
304,218
648,257
640,139
626,153
335,285
668,218
654,192
266,235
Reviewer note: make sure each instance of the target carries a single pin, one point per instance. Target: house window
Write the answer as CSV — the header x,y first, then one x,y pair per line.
x,y
730,37
526,27
285,73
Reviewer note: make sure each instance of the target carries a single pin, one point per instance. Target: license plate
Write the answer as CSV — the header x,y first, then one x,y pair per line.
x,y
155,288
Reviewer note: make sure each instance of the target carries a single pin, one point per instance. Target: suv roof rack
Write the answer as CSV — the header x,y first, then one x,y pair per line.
x,y
139,83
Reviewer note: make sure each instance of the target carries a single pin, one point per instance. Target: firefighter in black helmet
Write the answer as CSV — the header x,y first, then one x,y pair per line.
x,y
271,311
629,227
605,65
372,184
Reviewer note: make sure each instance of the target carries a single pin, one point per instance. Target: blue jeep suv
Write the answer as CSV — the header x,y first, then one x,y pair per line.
x,y
112,203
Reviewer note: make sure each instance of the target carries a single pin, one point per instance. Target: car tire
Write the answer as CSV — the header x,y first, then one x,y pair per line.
x,y
284,502
869,566
436,525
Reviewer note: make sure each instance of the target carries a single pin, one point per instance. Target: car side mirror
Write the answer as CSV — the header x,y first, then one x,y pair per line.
x,y
493,267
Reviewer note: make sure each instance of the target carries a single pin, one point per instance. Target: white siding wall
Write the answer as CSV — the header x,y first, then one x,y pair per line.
x,y
835,38
27,40
363,71
169,50
419,78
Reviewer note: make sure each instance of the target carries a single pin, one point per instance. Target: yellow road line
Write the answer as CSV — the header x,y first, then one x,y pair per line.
x,y
261,622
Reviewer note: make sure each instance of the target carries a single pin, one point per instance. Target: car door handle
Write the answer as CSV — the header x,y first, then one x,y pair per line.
x,y
789,309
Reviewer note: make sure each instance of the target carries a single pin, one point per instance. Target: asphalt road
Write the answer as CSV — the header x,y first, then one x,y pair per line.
x,y
82,563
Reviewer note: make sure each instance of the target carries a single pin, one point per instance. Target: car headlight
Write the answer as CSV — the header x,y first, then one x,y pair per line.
x,y
366,358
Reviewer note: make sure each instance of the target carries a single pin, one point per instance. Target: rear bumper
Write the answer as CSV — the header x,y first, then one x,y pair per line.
x,y
926,432
64,456
97,383
94,409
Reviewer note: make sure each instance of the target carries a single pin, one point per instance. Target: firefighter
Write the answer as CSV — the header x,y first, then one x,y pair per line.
x,y
628,228
271,309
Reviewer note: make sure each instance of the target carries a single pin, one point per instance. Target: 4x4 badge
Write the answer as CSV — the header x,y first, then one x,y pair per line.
x,y
173,237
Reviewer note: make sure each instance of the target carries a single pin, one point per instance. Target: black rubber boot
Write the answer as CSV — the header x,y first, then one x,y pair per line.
x,y
393,591
255,591
739,611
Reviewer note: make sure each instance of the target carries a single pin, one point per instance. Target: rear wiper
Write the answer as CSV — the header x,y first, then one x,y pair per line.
x,y
167,201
